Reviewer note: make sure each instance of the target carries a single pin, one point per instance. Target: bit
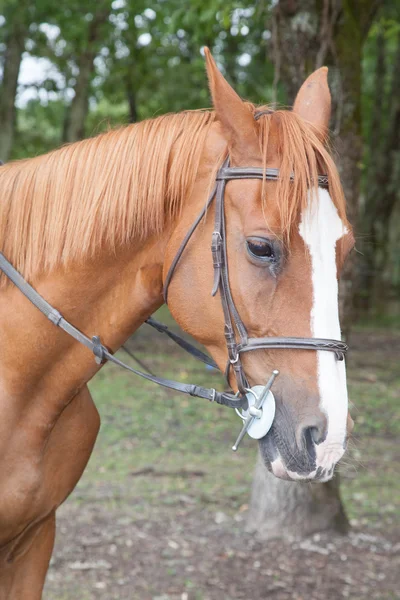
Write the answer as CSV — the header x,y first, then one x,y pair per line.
x,y
258,404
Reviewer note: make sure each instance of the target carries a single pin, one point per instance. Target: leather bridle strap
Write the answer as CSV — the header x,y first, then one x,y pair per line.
x,y
225,173
184,243
230,173
102,354
221,283
180,341
338,347
232,321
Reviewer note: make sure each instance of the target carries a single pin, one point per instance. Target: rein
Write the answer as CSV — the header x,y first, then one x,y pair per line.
x,y
102,354
256,421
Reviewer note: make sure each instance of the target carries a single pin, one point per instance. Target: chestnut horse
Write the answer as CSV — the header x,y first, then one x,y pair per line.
x,y
94,227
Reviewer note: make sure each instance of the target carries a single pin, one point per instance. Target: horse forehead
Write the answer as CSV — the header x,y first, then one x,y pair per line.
x,y
320,224
246,196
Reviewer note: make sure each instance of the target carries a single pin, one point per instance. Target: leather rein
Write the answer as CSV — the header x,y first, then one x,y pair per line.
x,y
233,322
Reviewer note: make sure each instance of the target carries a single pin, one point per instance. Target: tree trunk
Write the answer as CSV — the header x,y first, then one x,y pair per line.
x,y
375,164
74,124
383,193
8,89
351,29
288,509
131,96
308,34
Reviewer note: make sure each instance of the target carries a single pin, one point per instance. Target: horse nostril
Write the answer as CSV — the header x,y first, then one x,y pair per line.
x,y
312,436
312,432
317,434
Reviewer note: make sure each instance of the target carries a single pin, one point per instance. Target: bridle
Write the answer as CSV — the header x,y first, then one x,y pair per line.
x,y
233,323
232,320
250,400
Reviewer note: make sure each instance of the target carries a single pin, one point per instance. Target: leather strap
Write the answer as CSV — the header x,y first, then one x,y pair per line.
x,y
226,173
184,243
338,347
180,341
260,113
230,173
232,322
221,282
102,354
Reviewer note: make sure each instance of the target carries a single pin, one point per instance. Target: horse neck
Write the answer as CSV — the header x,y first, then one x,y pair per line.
x,y
110,297
113,294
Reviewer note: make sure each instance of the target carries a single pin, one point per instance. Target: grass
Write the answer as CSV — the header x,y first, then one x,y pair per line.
x,y
148,428
157,447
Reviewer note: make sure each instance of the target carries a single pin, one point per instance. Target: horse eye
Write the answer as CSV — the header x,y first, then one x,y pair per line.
x,y
260,248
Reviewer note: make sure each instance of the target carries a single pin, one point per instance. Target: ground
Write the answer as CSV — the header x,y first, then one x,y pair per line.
x,y
160,512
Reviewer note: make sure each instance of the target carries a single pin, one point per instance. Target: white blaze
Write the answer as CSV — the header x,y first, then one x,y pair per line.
x,y
321,228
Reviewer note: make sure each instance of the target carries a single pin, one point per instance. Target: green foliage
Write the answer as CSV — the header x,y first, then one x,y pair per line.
x,y
381,165
31,140
148,61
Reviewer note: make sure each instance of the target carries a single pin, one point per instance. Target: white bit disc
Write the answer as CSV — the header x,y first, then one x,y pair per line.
x,y
260,427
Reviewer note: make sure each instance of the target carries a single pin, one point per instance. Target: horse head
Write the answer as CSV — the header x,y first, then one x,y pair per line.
x,y
286,244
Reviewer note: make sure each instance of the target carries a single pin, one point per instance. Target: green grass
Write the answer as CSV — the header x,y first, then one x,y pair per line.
x,y
143,426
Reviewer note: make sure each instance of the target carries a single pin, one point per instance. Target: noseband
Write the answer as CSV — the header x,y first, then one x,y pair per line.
x,y
232,321
258,401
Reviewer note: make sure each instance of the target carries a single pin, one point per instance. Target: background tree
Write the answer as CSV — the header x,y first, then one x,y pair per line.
x,y
87,38
18,28
307,35
382,160
14,42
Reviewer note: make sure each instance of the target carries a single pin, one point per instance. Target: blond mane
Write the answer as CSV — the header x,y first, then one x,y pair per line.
x,y
128,183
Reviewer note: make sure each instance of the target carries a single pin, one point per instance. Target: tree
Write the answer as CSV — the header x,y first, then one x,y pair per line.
x,y
306,35
286,509
382,160
20,30
15,30
92,26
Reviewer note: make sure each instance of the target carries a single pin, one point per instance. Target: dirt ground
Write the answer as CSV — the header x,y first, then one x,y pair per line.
x,y
136,537
191,554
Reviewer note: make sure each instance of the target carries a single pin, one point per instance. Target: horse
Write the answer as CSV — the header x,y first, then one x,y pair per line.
x,y
94,227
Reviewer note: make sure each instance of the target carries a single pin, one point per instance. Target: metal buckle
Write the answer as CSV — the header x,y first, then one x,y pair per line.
x,y
98,350
216,242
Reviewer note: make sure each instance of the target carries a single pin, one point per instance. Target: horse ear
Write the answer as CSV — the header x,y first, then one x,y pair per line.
x,y
313,101
238,124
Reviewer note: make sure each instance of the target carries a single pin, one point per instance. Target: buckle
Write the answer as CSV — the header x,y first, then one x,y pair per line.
x,y
233,361
98,350
216,242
